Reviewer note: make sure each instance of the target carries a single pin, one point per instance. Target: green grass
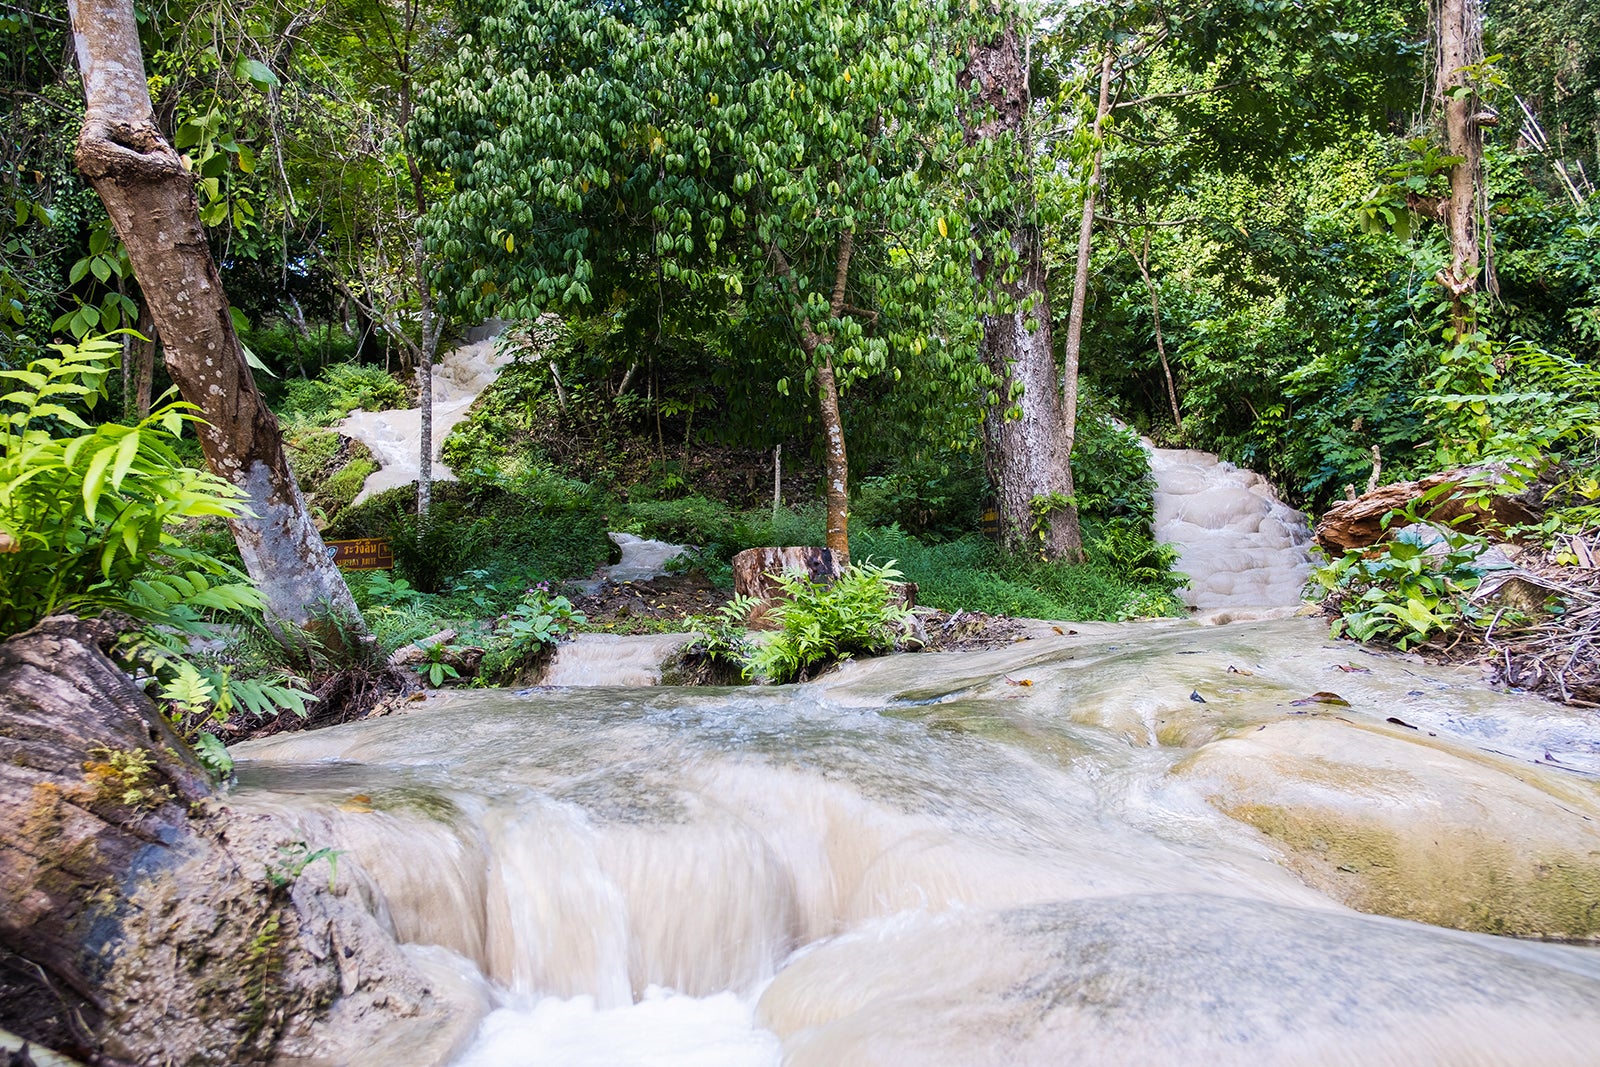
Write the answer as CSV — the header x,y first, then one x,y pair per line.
x,y
972,574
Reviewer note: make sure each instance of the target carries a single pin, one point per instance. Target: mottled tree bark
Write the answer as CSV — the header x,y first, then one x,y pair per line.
x,y
1458,26
151,200
1026,443
1080,279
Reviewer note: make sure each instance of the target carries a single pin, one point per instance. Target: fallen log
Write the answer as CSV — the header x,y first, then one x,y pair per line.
x,y
1467,499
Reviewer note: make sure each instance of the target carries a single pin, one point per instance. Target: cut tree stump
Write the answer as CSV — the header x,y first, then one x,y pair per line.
x,y
754,567
163,929
753,571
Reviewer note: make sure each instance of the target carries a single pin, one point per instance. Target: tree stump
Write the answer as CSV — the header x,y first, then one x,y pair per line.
x,y
161,929
753,569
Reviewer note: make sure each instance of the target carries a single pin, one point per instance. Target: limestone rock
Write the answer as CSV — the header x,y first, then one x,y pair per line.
x,y
1387,820
172,932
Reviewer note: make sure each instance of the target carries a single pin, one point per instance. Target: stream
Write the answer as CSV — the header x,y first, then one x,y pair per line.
x,y
1154,843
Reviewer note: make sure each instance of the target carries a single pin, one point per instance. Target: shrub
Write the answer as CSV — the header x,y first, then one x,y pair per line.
x,y
87,518
1407,589
339,390
821,624
529,631
939,497
688,520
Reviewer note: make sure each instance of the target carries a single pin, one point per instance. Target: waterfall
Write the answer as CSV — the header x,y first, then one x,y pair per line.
x,y
1245,552
919,859
395,437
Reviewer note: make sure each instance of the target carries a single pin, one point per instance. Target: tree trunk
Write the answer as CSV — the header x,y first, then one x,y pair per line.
x,y
430,340
1080,279
144,364
835,465
836,468
753,569
1459,28
1142,260
164,929
1026,443
151,201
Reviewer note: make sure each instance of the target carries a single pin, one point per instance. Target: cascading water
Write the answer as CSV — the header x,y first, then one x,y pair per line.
x,y
924,860
395,437
1153,844
1244,550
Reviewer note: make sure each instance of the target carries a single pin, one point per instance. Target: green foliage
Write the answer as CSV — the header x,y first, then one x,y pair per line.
x,y
938,496
971,573
86,511
692,520
821,623
337,391
529,630
433,666
89,517
429,552
127,776
293,859
722,638
1407,589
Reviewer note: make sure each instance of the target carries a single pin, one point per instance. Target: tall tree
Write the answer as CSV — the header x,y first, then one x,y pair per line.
x,y
1458,43
1027,443
1080,275
150,197
775,164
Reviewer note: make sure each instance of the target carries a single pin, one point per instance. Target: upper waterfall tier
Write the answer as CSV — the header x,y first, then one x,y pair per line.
x,y
1242,548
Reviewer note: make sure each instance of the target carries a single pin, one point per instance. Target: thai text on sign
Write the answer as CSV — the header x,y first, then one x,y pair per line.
x,y
363,554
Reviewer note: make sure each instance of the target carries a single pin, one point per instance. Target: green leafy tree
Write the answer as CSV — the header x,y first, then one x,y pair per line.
x,y
778,166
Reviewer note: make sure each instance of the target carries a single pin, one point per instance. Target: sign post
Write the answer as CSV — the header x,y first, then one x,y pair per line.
x,y
363,554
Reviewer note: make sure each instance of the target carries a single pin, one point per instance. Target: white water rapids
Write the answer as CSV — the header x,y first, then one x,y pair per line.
x,y
1156,844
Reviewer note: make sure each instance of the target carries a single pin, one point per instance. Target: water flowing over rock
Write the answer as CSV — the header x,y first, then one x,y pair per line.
x,y
1244,550
642,558
921,859
613,659
395,437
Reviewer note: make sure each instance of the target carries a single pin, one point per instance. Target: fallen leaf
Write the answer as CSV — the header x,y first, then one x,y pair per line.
x,y
1018,681
1322,698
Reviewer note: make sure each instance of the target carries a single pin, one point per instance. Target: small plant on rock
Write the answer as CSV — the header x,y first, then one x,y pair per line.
x,y
530,629
722,639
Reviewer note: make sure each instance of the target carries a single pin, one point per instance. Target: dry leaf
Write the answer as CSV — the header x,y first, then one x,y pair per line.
x,y
1322,698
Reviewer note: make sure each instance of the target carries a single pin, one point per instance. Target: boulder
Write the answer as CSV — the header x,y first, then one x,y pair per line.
x,y
1468,494
164,929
